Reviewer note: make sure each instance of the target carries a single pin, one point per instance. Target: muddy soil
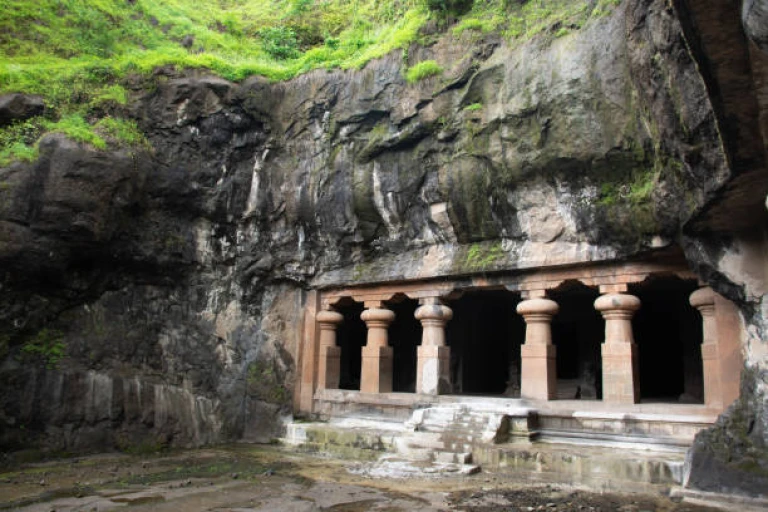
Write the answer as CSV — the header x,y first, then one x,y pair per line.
x,y
257,478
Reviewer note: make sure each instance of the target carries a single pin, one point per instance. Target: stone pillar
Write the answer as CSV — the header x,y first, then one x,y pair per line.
x,y
329,369
538,372
376,372
433,374
620,376
703,299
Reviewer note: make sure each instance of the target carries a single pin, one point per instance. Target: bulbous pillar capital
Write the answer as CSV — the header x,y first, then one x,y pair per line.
x,y
329,319
377,317
436,312
703,299
617,306
433,318
538,310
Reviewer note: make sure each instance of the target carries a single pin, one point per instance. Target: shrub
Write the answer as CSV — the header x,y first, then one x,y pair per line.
x,y
17,142
280,42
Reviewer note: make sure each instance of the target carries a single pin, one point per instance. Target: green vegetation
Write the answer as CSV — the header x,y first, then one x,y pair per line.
x,y
481,256
422,70
17,142
265,382
143,447
455,7
121,132
480,25
77,54
47,346
474,107
520,21
636,192
76,128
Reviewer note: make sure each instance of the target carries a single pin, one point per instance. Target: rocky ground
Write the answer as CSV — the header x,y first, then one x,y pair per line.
x,y
248,478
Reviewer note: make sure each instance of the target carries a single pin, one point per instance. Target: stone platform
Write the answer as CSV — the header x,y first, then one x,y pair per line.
x,y
583,443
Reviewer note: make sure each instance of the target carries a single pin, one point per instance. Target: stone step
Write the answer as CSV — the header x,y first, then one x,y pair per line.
x,y
434,443
453,457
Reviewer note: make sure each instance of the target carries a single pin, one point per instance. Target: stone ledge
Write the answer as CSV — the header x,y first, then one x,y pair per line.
x,y
722,501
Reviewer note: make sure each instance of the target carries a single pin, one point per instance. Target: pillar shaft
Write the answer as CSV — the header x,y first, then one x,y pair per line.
x,y
329,369
703,299
538,373
619,352
377,356
433,374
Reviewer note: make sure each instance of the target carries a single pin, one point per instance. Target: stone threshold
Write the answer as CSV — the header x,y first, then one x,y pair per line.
x,y
596,409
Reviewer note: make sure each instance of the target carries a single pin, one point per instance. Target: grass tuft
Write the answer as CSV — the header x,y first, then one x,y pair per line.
x,y
422,70
77,129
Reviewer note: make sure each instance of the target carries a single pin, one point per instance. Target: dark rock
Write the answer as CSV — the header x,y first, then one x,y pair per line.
x,y
754,15
187,41
732,456
18,107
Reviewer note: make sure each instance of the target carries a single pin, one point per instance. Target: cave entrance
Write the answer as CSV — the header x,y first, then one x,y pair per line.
x,y
350,336
577,332
404,338
485,337
668,335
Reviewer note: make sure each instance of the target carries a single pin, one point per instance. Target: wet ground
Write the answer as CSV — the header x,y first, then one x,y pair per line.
x,y
255,478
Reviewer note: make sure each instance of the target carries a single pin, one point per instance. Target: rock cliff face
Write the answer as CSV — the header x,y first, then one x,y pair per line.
x,y
174,280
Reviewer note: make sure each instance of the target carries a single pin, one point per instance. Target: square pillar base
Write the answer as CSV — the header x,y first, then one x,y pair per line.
x,y
433,374
538,377
620,377
376,373
329,369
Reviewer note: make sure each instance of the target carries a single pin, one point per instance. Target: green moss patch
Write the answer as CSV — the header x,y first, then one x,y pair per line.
x,y
46,346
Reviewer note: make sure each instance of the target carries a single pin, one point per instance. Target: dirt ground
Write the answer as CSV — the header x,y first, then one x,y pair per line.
x,y
256,478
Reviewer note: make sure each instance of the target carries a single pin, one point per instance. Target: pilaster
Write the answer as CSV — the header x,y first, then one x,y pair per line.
x,y
703,299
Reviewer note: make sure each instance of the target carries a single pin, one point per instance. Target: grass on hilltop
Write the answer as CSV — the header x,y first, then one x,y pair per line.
x,y
77,53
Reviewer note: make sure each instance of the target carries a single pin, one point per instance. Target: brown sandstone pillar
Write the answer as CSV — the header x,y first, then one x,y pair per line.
x,y
433,374
303,400
329,368
620,375
703,299
538,372
376,372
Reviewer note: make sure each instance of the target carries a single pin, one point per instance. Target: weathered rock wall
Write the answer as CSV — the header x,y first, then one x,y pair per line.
x,y
175,279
